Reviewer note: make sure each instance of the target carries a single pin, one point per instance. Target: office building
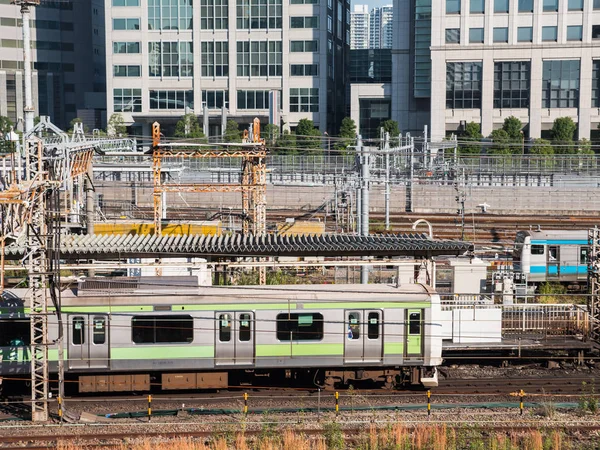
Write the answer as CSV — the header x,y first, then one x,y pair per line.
x,y
166,57
359,27
68,61
536,60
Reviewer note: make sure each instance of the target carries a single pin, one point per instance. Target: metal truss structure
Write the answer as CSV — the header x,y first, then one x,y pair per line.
x,y
594,281
253,182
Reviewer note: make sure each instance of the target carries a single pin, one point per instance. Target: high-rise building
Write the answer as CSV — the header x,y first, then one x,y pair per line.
x,y
166,57
67,53
536,60
359,27
380,28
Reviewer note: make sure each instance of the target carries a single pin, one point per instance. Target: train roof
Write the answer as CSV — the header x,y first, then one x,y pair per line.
x,y
556,234
246,294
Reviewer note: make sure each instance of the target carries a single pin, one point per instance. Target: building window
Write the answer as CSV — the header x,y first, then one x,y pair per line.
x,y
574,32
511,84
463,85
452,6
253,99
596,83
259,58
126,24
170,14
575,5
162,329
170,59
500,6
127,100
171,99
126,71
215,99
126,47
258,14
215,59
477,7
304,46
560,84
372,113
304,70
596,4
501,35
126,2
304,22
452,35
371,66
214,14
549,34
550,5
330,24
476,35
525,6
525,34
304,2
595,32
300,327
304,100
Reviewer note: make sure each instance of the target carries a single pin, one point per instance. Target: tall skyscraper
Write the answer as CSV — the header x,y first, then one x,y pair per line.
x,y
166,57
359,27
67,54
381,26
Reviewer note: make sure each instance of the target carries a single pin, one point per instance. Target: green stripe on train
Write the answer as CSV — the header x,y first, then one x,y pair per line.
x,y
298,349
393,348
155,352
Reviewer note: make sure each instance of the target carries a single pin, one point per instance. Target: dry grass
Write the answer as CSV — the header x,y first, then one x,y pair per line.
x,y
395,436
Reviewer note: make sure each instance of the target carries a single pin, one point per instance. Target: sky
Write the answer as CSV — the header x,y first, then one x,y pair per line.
x,y
371,3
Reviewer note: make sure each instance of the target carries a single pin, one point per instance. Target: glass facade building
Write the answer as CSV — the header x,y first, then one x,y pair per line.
x,y
371,66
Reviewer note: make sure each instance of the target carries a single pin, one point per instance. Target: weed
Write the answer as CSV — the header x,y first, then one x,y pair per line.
x,y
588,402
334,437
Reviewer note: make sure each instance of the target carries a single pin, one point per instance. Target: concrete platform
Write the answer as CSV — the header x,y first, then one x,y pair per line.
x,y
524,343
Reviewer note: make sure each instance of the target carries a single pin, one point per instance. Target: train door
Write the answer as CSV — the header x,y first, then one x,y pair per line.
x,y
553,262
88,343
414,332
234,338
364,337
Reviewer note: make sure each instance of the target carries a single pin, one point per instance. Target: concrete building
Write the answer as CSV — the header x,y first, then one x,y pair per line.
x,y
68,55
533,59
381,27
163,61
359,27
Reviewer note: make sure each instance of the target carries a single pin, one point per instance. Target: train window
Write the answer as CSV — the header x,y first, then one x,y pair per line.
x,y
245,327
373,325
414,323
224,327
300,326
353,325
583,255
537,249
78,330
99,332
162,329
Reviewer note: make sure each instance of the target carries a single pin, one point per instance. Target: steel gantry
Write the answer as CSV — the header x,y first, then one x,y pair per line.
x,y
253,182
594,281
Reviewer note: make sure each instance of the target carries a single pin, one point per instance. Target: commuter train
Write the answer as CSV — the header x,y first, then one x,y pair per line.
x,y
215,337
552,255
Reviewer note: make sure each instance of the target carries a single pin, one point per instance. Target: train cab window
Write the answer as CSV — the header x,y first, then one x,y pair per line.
x,y
373,325
78,330
245,328
225,327
537,249
99,331
162,329
583,255
353,325
300,327
414,323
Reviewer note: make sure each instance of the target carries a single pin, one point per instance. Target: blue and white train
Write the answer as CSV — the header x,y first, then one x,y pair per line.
x,y
552,255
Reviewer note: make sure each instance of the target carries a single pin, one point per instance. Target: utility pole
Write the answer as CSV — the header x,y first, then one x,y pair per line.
x,y
386,147
364,201
29,110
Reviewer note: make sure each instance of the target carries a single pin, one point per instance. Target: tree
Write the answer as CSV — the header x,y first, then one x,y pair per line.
x,y
501,141
75,121
513,128
584,147
391,127
232,132
5,127
116,125
189,127
271,134
287,143
563,131
347,135
544,153
307,136
471,133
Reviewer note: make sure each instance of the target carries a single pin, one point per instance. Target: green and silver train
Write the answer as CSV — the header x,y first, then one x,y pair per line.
x,y
216,337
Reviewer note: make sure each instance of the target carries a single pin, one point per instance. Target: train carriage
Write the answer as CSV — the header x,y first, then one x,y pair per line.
x,y
218,336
